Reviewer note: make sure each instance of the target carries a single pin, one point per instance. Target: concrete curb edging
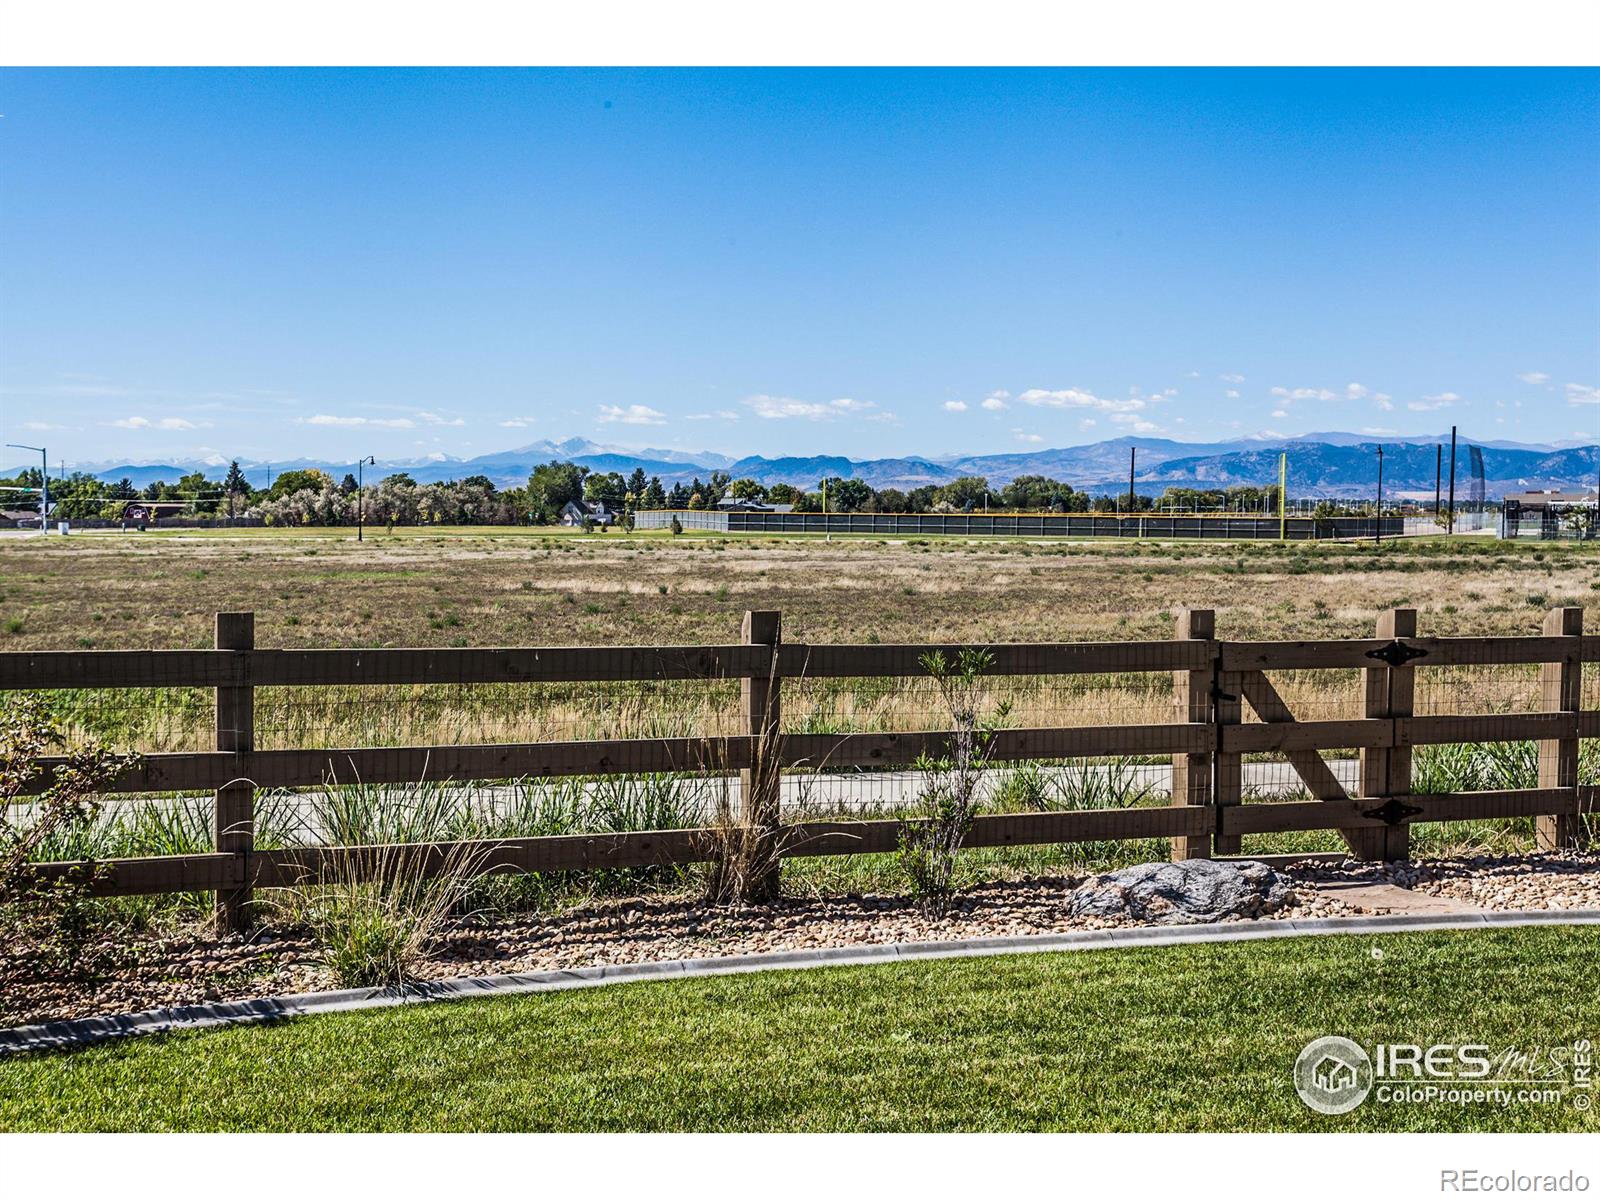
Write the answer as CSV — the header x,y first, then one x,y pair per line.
x,y
61,1035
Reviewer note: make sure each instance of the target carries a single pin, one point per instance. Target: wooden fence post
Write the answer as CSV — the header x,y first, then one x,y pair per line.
x,y
1191,693
1561,690
236,801
759,784
1386,771
1227,779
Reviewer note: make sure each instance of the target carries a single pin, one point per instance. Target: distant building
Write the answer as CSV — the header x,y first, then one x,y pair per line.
x,y
575,512
1550,514
730,504
1549,499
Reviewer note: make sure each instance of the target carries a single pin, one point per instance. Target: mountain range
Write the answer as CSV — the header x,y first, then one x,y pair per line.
x,y
1319,464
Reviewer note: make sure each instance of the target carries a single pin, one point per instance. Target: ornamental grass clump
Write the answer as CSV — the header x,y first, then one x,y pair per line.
x,y
378,910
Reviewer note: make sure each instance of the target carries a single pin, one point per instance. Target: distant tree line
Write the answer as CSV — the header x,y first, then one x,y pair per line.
x,y
313,497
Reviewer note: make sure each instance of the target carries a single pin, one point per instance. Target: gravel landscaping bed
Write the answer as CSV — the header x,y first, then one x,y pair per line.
x,y
1494,883
193,967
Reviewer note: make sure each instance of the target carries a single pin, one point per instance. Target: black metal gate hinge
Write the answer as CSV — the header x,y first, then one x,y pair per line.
x,y
1397,653
1392,812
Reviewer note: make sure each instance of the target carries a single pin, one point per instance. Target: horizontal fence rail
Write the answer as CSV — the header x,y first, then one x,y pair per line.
x,y
31,670
1216,685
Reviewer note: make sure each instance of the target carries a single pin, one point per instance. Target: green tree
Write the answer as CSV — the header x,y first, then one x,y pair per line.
x,y
655,495
552,486
965,493
290,482
608,489
1034,493
746,489
234,485
197,488
848,495
782,493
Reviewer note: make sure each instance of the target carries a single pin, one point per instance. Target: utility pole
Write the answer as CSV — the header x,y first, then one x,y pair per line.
x,y
44,483
1450,523
361,496
1438,474
1133,503
1377,525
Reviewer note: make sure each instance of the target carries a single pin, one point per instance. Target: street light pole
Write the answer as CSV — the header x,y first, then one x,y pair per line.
x,y
1450,524
44,483
361,494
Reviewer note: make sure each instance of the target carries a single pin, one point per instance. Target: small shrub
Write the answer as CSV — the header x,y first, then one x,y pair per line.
x,y
944,810
48,927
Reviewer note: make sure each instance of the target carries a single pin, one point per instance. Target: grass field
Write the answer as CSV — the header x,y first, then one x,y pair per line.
x,y
1158,1038
527,587
318,587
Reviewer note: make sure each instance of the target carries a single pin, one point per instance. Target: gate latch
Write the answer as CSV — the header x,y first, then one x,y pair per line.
x,y
1397,653
1392,812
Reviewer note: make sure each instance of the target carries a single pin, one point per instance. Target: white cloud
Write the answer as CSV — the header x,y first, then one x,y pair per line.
x,y
1077,398
1429,403
1582,393
516,423
634,414
170,424
1384,401
1534,377
778,408
356,422
1135,422
1192,375
1293,394
722,414
1231,378
1280,412
40,426
1231,394
1023,435
1379,431
955,406
1356,391
435,419
996,401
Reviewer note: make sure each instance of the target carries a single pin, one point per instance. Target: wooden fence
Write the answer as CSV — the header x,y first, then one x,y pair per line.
x,y
1214,682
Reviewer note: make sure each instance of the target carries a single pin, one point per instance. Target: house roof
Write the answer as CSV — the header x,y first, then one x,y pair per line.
x,y
1534,499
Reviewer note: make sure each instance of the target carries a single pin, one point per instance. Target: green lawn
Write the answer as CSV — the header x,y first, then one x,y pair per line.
x,y
1174,1038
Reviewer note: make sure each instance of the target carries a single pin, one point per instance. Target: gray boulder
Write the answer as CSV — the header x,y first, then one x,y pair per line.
x,y
1191,892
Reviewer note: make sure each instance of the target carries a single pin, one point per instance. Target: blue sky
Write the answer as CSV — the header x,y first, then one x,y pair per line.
x,y
270,264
